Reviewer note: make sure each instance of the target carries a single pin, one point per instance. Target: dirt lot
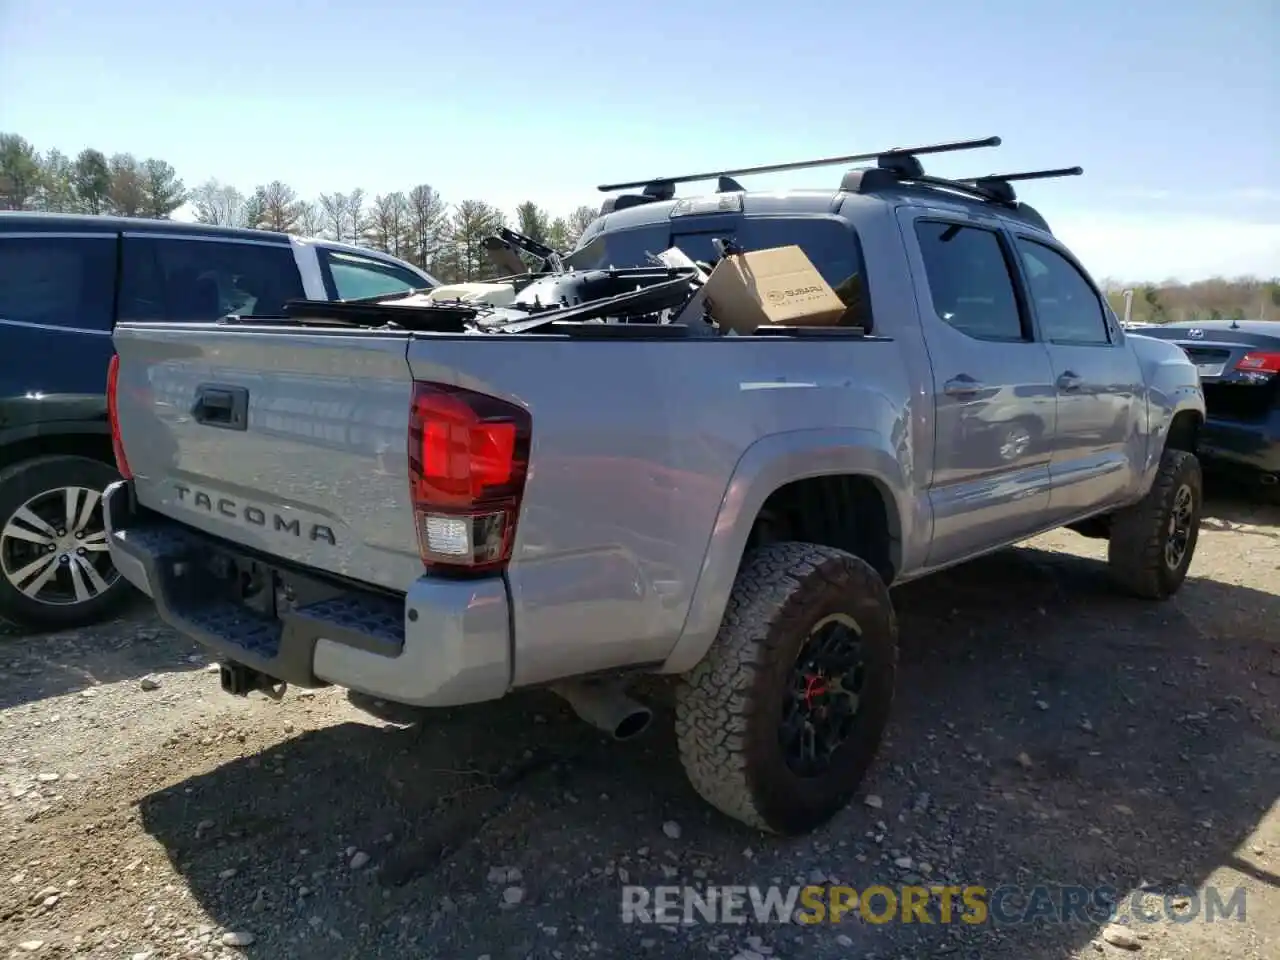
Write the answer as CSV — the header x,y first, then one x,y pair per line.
x,y
1048,731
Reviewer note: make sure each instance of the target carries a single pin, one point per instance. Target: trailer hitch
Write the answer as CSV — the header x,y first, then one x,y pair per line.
x,y
240,681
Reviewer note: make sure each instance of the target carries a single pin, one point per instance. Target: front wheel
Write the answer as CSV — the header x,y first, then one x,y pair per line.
x,y
55,571
779,722
1153,541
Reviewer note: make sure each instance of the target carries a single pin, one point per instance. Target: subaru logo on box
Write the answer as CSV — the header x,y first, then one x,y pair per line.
x,y
1196,334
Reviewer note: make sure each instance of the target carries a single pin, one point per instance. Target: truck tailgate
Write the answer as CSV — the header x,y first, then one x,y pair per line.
x,y
291,442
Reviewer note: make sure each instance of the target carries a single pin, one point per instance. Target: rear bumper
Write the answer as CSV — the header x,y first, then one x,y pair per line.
x,y
445,643
1252,445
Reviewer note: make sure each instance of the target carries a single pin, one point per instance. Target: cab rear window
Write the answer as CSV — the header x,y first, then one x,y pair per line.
x,y
829,242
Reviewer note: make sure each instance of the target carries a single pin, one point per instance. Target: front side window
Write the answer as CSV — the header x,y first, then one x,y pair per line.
x,y
1069,309
67,282
199,280
969,280
353,277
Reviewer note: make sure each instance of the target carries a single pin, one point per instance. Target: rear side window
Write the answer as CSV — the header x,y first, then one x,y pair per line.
x,y
352,277
969,280
200,280
67,282
1069,309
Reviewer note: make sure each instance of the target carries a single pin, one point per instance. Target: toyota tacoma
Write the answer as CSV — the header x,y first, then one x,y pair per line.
x,y
438,502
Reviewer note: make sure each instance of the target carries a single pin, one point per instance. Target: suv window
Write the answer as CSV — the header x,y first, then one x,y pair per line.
x,y
1069,309
969,280
67,282
167,278
352,277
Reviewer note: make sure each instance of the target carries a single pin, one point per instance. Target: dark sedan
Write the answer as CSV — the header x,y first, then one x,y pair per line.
x,y
1239,363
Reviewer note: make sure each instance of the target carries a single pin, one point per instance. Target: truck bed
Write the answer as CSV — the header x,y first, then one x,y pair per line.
x,y
633,446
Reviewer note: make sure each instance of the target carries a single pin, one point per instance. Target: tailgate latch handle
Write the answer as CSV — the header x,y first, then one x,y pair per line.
x,y
224,407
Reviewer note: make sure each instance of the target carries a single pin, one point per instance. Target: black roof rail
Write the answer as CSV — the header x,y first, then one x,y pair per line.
x,y
659,183
998,183
893,167
875,179
992,188
901,159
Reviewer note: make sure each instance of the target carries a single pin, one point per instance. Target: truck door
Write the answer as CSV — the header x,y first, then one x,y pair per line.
x,y
1099,443
992,385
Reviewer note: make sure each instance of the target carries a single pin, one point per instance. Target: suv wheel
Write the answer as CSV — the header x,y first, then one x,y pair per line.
x,y
1153,541
55,570
780,720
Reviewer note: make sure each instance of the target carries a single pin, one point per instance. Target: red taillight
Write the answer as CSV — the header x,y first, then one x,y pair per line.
x,y
1260,361
113,416
468,455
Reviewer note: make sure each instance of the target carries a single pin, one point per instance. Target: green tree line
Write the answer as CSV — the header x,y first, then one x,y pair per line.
x,y
1218,298
417,224
421,226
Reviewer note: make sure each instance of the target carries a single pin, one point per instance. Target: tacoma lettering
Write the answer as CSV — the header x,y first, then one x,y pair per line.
x,y
254,516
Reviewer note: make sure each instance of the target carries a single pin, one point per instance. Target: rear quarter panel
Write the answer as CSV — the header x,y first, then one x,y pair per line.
x,y
633,450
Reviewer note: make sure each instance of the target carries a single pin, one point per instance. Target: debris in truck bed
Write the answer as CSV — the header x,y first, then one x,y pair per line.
x,y
632,295
777,287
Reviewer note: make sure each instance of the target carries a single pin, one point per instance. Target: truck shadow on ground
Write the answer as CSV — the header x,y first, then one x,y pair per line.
x,y
1233,502
1048,731
36,666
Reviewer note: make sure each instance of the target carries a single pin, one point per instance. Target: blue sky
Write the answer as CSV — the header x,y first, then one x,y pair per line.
x,y
1171,108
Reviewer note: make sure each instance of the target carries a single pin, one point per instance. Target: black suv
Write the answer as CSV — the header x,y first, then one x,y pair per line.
x,y
64,281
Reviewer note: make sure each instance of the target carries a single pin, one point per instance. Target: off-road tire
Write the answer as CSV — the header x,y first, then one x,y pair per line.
x,y
729,706
1136,553
18,484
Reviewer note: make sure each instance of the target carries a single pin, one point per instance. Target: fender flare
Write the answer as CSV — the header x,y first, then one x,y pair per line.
x,y
768,464
1178,400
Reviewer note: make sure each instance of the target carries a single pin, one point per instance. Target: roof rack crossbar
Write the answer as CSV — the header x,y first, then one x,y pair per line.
x,y
656,184
980,190
994,188
1028,175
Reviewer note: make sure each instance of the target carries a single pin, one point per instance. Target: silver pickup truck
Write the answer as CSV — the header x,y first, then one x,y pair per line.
x,y
438,516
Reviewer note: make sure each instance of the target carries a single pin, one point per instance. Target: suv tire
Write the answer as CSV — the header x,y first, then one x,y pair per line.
x,y
1153,541
789,601
36,494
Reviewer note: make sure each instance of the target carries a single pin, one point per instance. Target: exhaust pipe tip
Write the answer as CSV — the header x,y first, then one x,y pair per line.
x,y
633,724
1270,479
606,707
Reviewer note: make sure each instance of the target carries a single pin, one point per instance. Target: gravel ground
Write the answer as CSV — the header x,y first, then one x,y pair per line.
x,y
1047,730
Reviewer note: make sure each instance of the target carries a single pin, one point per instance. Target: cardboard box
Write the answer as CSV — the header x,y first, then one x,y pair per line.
x,y
780,286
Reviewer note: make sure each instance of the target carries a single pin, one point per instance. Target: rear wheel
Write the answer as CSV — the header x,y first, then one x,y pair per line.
x,y
1153,541
778,724
55,570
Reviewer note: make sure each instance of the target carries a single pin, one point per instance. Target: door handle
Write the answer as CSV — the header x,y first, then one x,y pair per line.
x,y
962,386
1069,382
